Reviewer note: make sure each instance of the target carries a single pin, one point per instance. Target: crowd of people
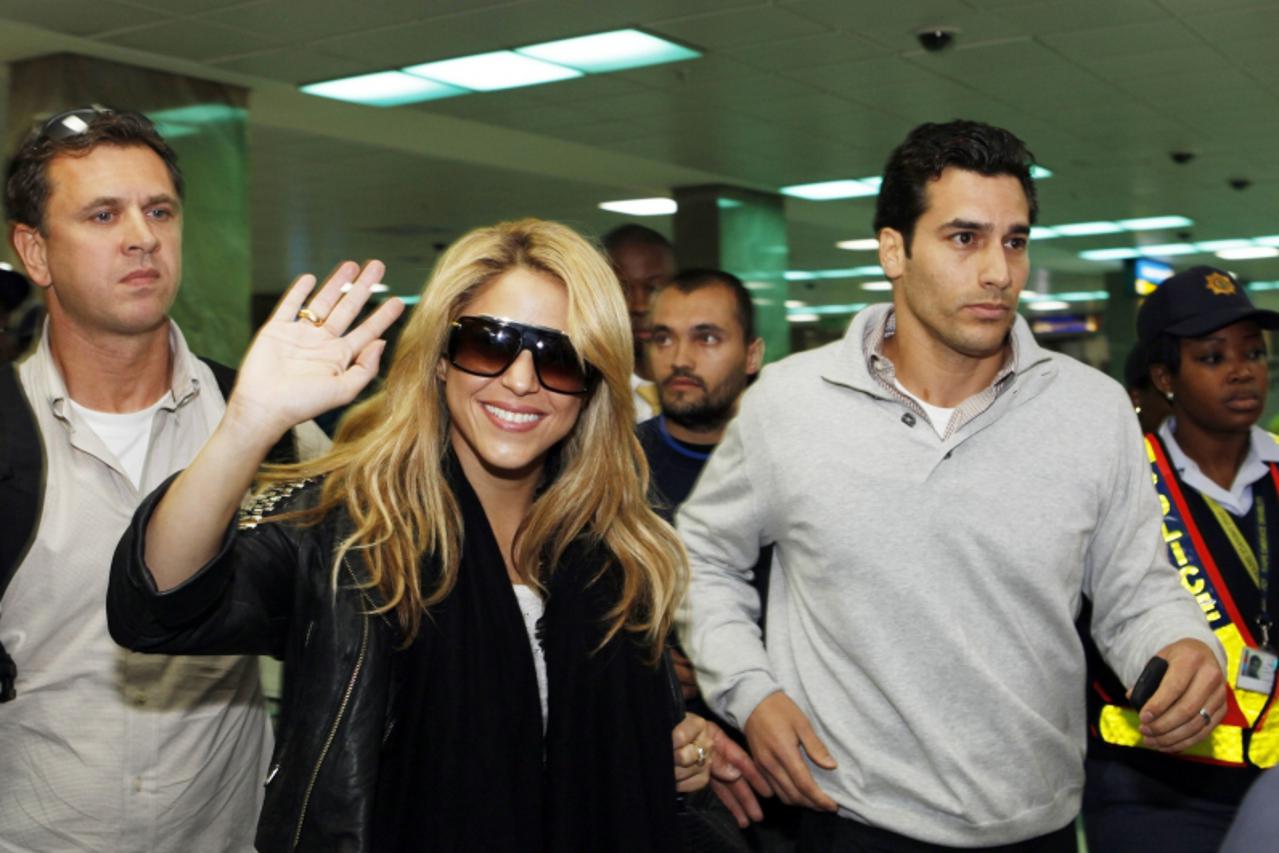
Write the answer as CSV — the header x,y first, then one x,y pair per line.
x,y
559,581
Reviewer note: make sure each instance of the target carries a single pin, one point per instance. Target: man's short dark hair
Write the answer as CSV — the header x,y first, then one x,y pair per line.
x,y
27,180
929,150
687,281
634,234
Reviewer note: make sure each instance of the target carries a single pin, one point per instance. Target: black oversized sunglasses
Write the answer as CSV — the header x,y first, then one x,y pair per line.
x,y
487,346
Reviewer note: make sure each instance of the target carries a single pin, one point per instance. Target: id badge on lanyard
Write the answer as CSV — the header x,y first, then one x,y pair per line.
x,y
1258,664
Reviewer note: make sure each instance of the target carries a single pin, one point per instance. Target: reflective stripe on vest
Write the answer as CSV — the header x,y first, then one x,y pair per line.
x,y
1242,737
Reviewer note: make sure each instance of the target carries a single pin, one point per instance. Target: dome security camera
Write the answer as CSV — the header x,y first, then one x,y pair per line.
x,y
1181,158
935,39
1240,184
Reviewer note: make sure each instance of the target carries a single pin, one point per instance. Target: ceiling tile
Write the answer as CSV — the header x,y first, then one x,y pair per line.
x,y
294,65
191,40
188,7
1224,27
79,17
298,23
895,24
1088,45
739,27
1044,17
807,51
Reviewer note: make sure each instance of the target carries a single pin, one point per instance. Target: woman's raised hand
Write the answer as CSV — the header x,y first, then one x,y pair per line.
x,y
304,361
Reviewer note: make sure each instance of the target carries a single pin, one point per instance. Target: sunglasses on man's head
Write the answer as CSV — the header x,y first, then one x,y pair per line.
x,y
487,346
72,122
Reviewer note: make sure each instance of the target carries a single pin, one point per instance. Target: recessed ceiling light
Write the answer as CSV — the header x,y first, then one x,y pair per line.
x,y
828,190
877,286
383,89
490,72
1249,253
868,245
641,206
795,303
1042,232
1087,229
1039,173
803,318
1156,223
612,51
1047,305
1109,254
1266,241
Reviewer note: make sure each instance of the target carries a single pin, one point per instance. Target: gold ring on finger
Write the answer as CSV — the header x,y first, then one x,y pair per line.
x,y
311,317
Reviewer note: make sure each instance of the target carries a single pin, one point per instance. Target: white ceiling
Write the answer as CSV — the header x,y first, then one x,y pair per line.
x,y
788,91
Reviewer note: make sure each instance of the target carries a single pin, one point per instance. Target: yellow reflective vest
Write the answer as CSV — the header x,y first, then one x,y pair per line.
x,y
1246,736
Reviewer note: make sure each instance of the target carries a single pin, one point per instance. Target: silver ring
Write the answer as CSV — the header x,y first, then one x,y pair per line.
x,y
311,317
1203,712
701,754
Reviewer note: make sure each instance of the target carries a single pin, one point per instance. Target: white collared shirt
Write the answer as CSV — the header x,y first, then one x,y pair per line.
x,y
1263,448
105,749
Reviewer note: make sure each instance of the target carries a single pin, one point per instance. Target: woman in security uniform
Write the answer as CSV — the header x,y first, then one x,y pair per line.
x,y
1217,475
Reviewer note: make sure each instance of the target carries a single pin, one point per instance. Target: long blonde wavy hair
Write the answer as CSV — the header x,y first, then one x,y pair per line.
x,y
385,469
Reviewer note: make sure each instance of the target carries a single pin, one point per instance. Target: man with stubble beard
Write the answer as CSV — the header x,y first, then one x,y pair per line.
x,y
940,493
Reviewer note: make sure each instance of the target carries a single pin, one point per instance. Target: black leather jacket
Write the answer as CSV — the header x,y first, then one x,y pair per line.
x,y
272,594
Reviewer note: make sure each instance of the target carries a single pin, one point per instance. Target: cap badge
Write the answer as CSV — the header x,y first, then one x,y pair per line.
x,y
1220,285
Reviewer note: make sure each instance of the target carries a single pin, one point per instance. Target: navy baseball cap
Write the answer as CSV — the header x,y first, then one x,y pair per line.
x,y
1196,302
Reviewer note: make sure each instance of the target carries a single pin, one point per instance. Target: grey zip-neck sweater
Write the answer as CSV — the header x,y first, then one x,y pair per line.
x,y
924,591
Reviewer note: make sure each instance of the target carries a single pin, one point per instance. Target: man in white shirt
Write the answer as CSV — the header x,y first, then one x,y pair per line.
x,y
105,749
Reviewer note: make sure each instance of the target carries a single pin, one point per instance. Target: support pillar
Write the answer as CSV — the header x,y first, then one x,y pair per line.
x,y
741,231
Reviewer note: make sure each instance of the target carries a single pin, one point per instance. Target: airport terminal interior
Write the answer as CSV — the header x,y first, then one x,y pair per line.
x,y
1152,121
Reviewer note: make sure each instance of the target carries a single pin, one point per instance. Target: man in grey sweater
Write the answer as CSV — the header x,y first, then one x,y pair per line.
x,y
940,492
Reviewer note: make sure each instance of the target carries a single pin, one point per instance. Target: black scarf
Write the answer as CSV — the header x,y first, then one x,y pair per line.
x,y
466,766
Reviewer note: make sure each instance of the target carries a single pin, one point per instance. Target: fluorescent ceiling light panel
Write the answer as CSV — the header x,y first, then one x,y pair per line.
x,y
869,245
795,303
1155,223
617,50
1048,305
1266,241
877,286
383,89
1109,254
1042,232
641,206
1087,229
828,190
1039,173
1169,249
798,275
1249,253
1218,245
490,72
803,318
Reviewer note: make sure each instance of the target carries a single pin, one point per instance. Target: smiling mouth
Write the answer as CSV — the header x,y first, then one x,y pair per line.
x,y
513,418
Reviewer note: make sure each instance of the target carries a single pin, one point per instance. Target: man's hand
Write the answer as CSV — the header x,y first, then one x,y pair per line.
x,y
735,779
776,730
684,674
694,750
1172,720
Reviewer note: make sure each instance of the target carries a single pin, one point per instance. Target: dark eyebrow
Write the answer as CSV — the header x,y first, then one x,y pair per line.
x,y
112,201
984,227
707,327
